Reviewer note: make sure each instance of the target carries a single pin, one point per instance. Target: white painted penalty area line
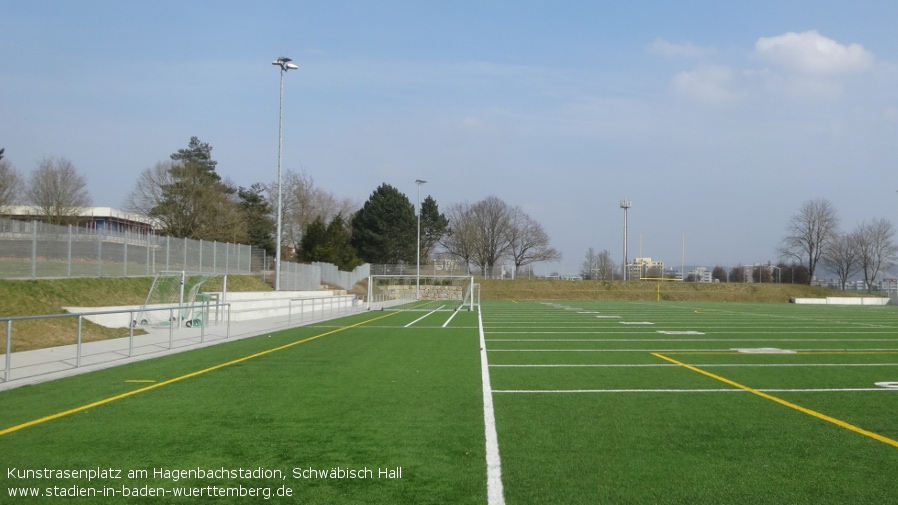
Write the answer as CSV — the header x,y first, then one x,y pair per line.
x,y
494,492
422,317
454,313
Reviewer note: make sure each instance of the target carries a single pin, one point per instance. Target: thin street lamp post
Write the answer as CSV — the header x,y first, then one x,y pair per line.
x,y
625,204
419,182
285,65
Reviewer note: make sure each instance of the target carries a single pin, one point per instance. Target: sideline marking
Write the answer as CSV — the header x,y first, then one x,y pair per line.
x,y
494,491
728,390
182,377
785,403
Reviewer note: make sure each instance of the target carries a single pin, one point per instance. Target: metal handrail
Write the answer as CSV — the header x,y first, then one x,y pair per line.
x,y
80,315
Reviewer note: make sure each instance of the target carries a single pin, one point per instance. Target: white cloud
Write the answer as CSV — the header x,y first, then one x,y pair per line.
x,y
813,54
713,84
684,50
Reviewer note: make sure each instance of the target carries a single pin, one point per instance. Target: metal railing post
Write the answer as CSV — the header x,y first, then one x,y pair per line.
x,y
131,333
78,352
8,372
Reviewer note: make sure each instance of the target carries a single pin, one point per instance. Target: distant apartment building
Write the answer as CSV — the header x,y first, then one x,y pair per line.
x,y
700,274
641,268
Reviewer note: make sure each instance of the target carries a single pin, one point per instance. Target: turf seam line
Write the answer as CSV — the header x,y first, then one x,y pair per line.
x,y
494,490
180,378
805,410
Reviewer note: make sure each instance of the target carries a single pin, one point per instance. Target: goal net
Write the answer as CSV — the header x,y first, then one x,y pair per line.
x,y
179,290
425,293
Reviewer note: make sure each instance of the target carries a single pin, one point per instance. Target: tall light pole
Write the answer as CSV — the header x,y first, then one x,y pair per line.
x,y
285,65
625,204
419,182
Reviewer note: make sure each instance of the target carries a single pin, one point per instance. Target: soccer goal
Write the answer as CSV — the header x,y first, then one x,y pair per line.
x,y
181,291
425,293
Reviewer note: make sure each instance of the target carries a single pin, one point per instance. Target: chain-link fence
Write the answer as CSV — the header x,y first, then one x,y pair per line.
x,y
31,250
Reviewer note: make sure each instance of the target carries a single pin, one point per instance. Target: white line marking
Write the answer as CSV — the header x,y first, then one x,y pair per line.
x,y
703,351
571,391
422,317
450,319
680,339
494,492
715,365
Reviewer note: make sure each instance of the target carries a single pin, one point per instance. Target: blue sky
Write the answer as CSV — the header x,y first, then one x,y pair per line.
x,y
716,119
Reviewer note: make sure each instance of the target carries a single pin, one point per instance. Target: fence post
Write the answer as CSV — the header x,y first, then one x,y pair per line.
x,y
125,271
68,263
99,254
149,271
33,249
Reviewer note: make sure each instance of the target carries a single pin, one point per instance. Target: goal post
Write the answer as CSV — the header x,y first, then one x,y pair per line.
x,y
425,293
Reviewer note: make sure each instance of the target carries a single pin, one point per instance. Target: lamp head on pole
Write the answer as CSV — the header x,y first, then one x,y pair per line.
x,y
285,64
420,182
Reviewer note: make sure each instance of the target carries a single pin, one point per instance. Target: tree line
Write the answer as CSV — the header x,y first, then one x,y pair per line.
x,y
814,237
189,199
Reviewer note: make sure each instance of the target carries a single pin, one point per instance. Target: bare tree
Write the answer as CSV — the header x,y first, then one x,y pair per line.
x,y
876,249
589,270
147,193
491,218
302,203
57,190
606,266
841,257
460,240
11,183
809,232
528,242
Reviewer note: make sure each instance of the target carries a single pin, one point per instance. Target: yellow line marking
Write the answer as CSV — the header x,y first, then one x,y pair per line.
x,y
791,405
182,377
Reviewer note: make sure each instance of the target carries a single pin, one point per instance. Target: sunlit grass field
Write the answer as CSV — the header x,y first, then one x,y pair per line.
x,y
595,402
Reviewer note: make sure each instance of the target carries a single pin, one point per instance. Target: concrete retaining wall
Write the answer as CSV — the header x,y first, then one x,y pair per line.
x,y
245,306
843,300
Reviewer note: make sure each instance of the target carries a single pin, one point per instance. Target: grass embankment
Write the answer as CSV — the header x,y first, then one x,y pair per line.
x,y
520,289
39,297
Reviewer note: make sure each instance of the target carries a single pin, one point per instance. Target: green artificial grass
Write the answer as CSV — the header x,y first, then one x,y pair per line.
x,y
592,405
376,397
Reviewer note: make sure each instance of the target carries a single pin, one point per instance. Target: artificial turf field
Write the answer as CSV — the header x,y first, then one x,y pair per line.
x,y
594,402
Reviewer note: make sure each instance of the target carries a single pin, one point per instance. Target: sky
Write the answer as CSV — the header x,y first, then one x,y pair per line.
x,y
717,120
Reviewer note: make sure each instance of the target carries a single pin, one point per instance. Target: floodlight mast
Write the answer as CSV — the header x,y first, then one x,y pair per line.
x,y
625,204
419,182
285,65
